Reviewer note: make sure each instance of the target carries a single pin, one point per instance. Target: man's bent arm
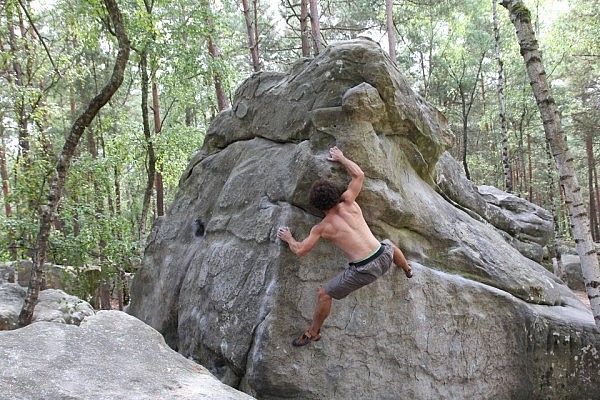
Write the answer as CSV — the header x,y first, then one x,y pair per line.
x,y
303,247
358,176
352,168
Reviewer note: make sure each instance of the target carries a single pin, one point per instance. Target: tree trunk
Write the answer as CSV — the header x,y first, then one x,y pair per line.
x,y
391,30
256,36
20,106
508,183
529,168
222,101
589,147
105,296
597,194
466,110
62,166
160,207
521,19
4,174
151,165
315,26
12,247
304,34
255,61
559,269
465,134
93,150
117,191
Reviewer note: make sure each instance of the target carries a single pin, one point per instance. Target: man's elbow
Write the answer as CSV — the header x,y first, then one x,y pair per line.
x,y
301,252
298,250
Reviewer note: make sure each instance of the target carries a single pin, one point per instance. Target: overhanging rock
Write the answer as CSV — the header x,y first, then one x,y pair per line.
x,y
479,320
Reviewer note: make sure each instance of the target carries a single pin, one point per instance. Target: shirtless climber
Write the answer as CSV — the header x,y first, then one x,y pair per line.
x,y
345,226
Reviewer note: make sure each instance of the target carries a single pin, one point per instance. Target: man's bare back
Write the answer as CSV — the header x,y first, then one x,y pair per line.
x,y
344,225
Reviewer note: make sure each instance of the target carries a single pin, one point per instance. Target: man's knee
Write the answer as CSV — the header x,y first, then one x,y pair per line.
x,y
323,296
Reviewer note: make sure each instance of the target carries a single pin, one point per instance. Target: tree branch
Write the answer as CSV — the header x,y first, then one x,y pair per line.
x,y
166,114
48,211
39,37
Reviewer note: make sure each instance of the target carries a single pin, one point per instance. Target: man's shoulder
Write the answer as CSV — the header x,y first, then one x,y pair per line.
x,y
348,206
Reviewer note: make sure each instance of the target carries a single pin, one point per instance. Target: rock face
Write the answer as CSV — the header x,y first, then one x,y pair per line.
x,y
109,356
526,226
53,306
572,272
479,320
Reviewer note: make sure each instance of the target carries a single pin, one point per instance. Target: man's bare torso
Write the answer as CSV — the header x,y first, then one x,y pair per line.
x,y
345,226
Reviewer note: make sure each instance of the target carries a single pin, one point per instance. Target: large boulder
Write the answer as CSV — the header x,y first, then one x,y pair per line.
x,y
53,306
111,355
569,268
7,273
479,320
571,273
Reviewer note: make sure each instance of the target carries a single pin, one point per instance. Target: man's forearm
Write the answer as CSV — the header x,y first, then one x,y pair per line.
x,y
295,246
352,168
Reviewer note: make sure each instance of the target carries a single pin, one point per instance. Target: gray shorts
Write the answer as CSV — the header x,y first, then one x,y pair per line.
x,y
357,275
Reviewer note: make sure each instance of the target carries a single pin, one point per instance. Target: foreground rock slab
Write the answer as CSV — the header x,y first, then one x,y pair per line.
x,y
109,356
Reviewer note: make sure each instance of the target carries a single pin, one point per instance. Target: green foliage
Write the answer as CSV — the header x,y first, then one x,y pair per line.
x,y
440,45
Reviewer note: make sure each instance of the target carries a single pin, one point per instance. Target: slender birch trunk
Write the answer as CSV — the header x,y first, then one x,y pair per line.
x,y
508,184
304,34
391,31
521,19
315,27
62,166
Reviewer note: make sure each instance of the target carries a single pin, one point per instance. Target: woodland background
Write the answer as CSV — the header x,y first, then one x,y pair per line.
x,y
187,59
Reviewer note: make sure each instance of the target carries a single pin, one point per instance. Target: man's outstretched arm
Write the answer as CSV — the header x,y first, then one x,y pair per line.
x,y
303,247
357,174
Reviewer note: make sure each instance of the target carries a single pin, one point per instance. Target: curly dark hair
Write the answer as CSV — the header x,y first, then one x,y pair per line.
x,y
324,195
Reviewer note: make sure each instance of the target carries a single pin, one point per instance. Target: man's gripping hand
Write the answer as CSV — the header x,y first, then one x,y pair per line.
x,y
335,154
284,234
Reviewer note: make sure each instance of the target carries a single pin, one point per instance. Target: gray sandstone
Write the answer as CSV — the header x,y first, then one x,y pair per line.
x,y
53,306
111,355
526,226
572,275
479,320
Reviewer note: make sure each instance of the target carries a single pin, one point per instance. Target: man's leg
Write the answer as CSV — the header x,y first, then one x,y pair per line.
x,y
401,262
321,311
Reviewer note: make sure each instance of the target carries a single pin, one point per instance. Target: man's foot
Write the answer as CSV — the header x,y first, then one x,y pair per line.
x,y
306,338
408,272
